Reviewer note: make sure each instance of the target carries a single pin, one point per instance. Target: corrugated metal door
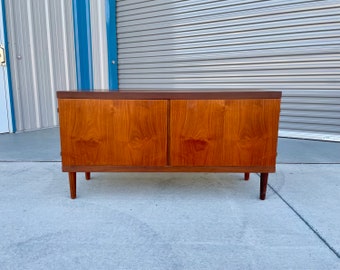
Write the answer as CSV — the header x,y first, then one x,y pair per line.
x,y
291,46
41,47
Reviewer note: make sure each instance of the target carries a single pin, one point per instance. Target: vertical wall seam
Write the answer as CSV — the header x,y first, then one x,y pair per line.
x,y
83,44
33,65
100,13
64,41
18,101
8,66
112,48
89,42
50,63
99,45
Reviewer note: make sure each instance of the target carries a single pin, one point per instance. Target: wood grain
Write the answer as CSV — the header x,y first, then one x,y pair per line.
x,y
224,132
106,132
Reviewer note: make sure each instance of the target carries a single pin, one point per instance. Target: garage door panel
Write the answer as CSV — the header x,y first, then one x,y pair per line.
x,y
291,46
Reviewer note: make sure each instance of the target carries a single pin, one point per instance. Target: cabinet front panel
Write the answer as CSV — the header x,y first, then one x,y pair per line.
x,y
224,132
113,132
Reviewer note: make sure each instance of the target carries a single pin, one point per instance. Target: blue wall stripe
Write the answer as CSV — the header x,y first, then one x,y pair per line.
x,y
8,66
83,44
111,33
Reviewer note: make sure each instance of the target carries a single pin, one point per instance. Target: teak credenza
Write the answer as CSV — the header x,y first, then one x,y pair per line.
x,y
142,131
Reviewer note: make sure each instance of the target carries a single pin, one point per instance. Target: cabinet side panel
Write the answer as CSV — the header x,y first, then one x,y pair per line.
x,y
224,132
113,132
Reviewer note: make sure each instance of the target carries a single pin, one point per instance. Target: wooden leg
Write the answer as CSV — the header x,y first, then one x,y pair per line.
x,y
263,185
87,175
246,176
72,177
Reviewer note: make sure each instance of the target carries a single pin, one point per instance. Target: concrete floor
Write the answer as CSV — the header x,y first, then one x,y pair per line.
x,y
168,220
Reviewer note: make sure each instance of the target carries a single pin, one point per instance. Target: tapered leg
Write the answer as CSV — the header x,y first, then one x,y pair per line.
x,y
87,175
263,185
246,176
72,177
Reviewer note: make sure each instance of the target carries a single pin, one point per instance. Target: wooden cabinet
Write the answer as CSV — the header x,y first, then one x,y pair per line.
x,y
169,132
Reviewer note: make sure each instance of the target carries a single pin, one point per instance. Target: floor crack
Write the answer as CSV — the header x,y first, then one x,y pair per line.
x,y
307,223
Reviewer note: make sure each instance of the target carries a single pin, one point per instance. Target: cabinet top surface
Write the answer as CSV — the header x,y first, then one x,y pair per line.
x,y
128,94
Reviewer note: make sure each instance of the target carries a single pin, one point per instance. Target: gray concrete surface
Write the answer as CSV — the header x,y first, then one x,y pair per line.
x,y
168,220
42,145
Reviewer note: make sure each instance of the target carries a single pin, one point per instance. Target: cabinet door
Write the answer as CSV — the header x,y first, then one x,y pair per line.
x,y
113,132
224,132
